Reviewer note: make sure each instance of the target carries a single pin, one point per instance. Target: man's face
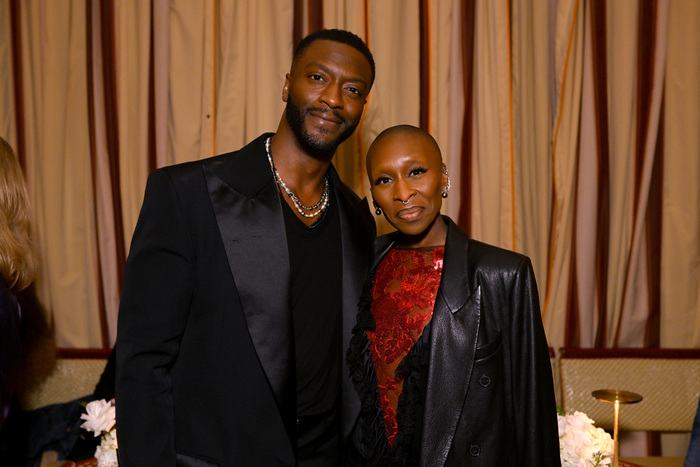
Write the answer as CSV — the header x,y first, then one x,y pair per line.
x,y
326,92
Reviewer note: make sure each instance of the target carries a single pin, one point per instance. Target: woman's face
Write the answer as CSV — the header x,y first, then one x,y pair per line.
x,y
407,178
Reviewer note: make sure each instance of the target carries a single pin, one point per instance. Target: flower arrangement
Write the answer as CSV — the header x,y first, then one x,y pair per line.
x,y
101,420
581,444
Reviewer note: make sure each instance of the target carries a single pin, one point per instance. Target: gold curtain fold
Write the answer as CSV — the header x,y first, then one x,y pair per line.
x,y
492,157
568,76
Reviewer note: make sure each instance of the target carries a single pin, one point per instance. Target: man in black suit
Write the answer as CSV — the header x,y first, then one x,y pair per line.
x,y
241,287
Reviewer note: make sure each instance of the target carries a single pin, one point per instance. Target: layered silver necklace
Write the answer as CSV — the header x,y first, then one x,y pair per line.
x,y
306,211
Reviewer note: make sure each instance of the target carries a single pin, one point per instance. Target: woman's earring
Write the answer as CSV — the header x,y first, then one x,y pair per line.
x,y
377,209
447,188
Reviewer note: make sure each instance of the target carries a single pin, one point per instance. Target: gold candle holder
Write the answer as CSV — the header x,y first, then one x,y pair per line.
x,y
616,397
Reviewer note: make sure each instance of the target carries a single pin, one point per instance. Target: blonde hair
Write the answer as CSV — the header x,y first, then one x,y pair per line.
x,y
18,259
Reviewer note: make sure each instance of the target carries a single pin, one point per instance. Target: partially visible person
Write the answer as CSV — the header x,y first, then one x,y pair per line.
x,y
449,354
18,266
692,457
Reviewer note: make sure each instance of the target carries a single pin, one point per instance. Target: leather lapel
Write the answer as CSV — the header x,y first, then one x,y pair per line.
x,y
453,340
251,224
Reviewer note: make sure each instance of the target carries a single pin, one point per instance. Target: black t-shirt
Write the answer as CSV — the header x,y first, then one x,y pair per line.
x,y
315,258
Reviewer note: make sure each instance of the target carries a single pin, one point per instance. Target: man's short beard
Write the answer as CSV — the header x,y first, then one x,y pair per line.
x,y
316,148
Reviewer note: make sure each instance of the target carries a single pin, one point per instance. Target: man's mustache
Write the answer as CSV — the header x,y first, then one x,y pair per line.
x,y
326,111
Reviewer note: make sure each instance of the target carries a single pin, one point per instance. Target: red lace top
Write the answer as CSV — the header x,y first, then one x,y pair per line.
x,y
405,287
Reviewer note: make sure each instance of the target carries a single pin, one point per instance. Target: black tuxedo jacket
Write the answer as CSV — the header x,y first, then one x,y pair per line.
x,y
489,395
205,353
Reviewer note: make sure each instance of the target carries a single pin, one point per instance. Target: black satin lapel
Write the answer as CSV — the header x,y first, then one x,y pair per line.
x,y
356,242
253,233
453,342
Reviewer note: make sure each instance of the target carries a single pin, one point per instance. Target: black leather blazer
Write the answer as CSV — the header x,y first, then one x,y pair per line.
x,y
489,397
205,340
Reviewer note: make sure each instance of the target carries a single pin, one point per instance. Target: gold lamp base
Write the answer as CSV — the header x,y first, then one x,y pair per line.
x,y
616,397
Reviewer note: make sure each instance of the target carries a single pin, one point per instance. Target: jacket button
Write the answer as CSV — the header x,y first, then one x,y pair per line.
x,y
485,381
474,450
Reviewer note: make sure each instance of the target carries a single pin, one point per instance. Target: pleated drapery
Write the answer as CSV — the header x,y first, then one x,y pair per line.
x,y
571,129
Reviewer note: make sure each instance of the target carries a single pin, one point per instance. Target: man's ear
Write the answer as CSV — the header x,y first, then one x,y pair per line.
x,y
285,88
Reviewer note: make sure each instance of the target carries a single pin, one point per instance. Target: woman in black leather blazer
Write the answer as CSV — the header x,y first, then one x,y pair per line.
x,y
474,385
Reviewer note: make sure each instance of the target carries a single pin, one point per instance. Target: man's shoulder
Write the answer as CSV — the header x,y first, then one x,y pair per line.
x,y
241,156
235,168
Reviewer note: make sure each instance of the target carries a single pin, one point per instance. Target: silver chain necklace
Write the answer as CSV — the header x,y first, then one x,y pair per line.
x,y
301,208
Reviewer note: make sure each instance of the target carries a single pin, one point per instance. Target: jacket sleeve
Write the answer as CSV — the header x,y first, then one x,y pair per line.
x,y
157,288
532,384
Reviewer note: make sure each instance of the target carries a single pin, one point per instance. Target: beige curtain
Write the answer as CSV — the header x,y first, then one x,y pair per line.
x,y
54,119
570,129
680,246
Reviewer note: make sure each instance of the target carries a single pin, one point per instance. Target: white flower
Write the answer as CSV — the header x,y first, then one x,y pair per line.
x,y
106,452
581,444
100,419
100,416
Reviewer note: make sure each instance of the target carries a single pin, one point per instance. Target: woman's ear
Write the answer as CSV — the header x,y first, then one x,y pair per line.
x,y
445,181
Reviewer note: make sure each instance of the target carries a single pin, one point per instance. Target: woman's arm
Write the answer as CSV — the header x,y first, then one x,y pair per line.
x,y
532,384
